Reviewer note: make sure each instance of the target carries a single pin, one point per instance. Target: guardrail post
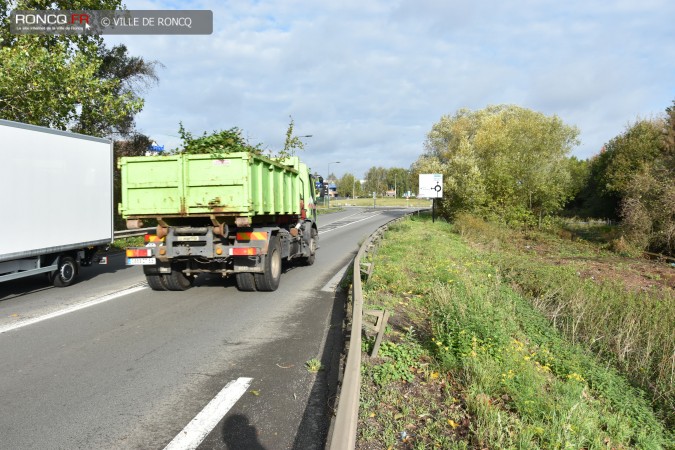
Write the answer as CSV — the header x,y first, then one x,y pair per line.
x,y
381,318
367,270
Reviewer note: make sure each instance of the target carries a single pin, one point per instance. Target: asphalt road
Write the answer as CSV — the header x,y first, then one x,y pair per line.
x,y
132,367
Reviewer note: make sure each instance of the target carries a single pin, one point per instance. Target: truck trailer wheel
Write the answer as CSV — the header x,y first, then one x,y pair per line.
x,y
156,282
269,279
309,260
66,272
245,282
177,281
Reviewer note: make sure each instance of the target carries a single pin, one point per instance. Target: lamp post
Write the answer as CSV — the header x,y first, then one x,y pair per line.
x,y
327,178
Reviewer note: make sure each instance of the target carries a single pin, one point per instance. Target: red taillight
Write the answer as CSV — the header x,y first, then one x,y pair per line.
x,y
139,252
243,251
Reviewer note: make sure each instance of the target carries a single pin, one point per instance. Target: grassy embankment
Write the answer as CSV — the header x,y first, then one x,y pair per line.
x,y
504,339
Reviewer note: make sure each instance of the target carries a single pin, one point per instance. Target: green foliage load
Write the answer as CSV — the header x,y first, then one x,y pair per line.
x,y
222,142
505,161
216,143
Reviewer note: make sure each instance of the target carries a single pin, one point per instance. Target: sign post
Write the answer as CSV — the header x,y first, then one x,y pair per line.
x,y
431,186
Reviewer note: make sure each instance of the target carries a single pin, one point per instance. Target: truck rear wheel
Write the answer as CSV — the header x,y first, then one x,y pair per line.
x,y
309,260
177,281
269,280
245,282
66,272
156,282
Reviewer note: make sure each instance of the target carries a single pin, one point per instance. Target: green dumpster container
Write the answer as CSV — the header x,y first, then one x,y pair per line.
x,y
236,184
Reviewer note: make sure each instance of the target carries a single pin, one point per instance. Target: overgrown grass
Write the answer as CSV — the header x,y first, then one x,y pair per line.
x,y
594,230
471,363
633,330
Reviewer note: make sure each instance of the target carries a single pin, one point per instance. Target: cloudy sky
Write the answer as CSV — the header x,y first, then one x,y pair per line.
x,y
368,78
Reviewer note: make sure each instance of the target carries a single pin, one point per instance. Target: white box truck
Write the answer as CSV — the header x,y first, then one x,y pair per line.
x,y
56,201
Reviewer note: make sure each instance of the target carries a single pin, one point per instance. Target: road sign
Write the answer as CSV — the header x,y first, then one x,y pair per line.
x,y
431,185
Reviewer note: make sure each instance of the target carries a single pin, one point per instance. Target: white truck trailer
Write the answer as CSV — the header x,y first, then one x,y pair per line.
x,y
56,200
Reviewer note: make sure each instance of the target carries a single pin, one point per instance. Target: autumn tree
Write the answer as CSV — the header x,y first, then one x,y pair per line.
x,y
503,161
638,167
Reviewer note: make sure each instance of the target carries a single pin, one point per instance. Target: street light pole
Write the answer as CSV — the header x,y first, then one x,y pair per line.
x,y
327,177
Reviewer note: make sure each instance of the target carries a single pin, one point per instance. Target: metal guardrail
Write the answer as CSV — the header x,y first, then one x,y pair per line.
x,y
346,419
130,233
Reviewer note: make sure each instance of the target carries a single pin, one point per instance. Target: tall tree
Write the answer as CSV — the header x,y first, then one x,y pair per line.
x,y
637,168
398,179
346,185
68,82
376,181
628,153
503,160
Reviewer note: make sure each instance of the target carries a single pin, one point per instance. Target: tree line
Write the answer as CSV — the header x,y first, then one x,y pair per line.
x,y
512,165
382,181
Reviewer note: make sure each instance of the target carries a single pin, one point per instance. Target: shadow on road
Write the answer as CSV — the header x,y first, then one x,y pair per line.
x,y
238,433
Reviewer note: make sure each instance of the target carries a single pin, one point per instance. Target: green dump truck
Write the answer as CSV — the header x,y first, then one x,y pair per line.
x,y
236,214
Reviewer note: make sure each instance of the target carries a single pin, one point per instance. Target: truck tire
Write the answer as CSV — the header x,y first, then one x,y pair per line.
x,y
245,282
177,281
156,282
66,272
269,280
309,260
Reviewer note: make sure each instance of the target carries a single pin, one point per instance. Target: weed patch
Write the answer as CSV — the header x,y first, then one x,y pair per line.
x,y
123,243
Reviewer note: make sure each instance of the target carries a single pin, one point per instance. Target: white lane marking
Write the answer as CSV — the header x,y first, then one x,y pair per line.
x,y
333,282
73,308
347,224
194,432
342,218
